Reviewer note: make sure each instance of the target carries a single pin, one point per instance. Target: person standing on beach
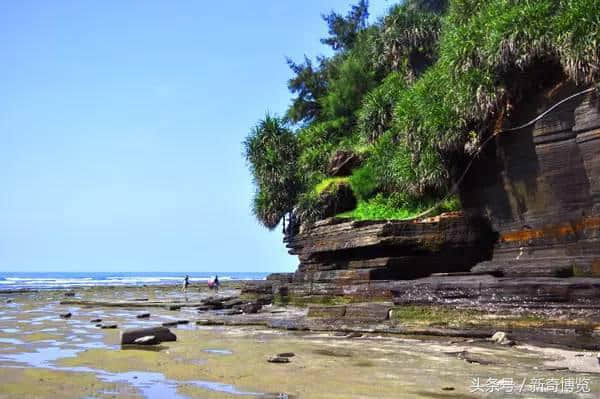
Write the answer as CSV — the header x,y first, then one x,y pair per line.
x,y
216,283
186,283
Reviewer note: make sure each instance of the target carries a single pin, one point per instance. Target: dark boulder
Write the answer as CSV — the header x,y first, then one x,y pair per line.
x,y
252,307
278,359
147,340
162,334
337,198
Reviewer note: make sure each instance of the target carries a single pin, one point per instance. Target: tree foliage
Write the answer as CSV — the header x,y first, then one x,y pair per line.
x,y
343,31
271,151
409,92
309,85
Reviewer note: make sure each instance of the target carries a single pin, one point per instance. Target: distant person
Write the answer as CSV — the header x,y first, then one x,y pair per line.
x,y
186,283
214,283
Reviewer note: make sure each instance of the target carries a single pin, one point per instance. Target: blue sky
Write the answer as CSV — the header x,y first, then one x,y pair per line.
x,y
121,126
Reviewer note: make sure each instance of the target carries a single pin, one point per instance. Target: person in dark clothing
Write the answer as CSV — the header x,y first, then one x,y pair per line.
x,y
186,283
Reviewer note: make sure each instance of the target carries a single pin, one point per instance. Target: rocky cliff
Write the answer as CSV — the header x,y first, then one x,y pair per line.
x,y
540,189
529,235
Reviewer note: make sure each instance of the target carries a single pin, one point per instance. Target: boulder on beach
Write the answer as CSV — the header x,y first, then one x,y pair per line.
x,y
147,340
252,307
143,315
162,334
278,359
96,321
108,326
65,315
69,294
501,338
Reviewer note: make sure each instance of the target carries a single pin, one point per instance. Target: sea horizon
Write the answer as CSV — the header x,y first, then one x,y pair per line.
x,y
65,280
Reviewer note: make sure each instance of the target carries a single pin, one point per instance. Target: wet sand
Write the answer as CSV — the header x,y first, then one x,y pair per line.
x,y
45,356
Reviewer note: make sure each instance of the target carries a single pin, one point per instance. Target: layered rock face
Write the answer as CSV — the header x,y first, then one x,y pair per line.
x,y
340,257
540,189
529,236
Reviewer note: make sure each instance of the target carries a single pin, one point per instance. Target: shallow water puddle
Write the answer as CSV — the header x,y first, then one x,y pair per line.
x,y
152,385
219,351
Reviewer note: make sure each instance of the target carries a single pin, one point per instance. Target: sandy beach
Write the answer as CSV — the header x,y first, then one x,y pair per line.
x,y
43,355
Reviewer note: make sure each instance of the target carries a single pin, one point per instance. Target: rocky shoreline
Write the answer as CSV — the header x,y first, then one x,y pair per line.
x,y
267,347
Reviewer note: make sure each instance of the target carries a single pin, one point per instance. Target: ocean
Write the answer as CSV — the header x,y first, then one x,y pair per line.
x,y
66,280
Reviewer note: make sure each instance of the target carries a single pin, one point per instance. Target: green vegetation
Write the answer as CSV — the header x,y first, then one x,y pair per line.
x,y
329,184
387,208
447,317
411,94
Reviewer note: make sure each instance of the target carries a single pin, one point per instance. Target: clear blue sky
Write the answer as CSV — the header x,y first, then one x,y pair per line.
x,y
121,126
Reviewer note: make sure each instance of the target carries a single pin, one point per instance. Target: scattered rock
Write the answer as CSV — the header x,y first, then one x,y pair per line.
x,y
354,335
183,321
174,307
170,323
447,388
98,325
232,302
9,301
286,354
108,326
69,294
96,321
139,299
162,334
232,312
143,315
147,340
66,315
278,359
501,338
251,307
208,322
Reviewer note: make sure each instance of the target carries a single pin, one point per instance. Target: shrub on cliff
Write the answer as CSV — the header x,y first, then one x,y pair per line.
x,y
271,151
